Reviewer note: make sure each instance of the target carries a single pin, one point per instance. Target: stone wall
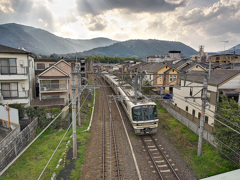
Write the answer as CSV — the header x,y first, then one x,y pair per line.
x,y
9,151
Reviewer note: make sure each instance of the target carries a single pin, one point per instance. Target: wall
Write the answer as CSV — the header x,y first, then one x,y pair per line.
x,y
187,122
16,145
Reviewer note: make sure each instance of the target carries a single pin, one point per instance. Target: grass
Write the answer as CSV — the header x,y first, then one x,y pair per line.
x,y
185,141
32,162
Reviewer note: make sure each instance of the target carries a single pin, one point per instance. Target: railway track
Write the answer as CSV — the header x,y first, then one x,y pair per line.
x,y
164,167
110,162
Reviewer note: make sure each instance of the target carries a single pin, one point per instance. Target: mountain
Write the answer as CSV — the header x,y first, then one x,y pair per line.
x,y
229,51
140,49
42,42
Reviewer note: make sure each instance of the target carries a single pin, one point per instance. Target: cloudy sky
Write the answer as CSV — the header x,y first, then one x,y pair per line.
x,y
193,22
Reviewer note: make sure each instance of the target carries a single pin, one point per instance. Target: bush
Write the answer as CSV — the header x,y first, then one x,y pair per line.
x,y
31,112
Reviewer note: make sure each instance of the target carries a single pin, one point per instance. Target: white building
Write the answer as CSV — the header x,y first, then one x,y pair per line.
x,y
188,98
172,56
16,76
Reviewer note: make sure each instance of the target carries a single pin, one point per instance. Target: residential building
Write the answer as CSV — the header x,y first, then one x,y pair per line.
x,y
225,58
171,56
54,85
201,56
17,78
188,98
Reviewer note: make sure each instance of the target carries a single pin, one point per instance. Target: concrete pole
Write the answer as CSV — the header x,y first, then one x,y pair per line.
x,y
74,118
135,88
79,99
202,119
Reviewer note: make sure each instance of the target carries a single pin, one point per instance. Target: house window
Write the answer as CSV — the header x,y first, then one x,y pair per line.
x,y
206,119
191,91
186,108
9,90
208,96
40,66
193,113
172,78
199,115
8,66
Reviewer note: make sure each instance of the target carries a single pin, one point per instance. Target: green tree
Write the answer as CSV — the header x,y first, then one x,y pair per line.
x,y
228,112
42,117
30,111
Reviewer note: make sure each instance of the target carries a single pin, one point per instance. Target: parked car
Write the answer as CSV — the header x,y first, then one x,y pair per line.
x,y
167,96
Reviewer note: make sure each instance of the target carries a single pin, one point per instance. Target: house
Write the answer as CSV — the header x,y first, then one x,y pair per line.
x,y
54,85
188,98
172,55
225,58
17,79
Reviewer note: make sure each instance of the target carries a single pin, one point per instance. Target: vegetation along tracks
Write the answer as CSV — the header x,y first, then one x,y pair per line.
x,y
163,165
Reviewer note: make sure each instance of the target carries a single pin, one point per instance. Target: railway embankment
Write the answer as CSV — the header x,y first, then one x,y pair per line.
x,y
186,143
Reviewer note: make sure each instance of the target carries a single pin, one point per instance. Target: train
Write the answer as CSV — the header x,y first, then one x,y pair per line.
x,y
141,113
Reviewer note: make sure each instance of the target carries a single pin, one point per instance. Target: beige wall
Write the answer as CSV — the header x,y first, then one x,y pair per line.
x,y
179,99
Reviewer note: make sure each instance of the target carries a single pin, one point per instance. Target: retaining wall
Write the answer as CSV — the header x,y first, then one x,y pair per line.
x,y
188,122
9,151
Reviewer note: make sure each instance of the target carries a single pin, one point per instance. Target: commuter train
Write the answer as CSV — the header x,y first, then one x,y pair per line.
x,y
143,115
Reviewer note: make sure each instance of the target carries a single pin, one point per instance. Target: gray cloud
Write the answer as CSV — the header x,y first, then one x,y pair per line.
x,y
221,17
28,13
97,24
137,6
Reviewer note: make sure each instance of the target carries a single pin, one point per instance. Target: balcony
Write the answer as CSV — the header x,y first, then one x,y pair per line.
x,y
13,72
56,87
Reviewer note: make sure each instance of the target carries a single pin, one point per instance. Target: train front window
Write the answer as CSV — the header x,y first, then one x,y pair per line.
x,y
137,113
143,113
153,112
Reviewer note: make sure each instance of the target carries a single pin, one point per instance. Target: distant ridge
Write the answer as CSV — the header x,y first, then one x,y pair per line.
x,y
40,41
140,49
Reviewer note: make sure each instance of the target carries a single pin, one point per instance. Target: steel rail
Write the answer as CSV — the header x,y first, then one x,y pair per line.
x,y
113,136
153,160
165,158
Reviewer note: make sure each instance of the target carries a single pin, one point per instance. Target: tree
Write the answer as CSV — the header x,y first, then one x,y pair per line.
x,y
31,112
228,112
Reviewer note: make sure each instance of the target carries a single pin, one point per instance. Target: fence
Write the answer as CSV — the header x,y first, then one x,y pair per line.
x,y
16,145
189,121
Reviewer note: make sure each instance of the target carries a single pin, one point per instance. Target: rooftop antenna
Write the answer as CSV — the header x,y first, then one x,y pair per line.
x,y
224,42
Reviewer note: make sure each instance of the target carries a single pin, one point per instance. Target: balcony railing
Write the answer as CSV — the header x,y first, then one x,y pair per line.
x,y
13,70
54,87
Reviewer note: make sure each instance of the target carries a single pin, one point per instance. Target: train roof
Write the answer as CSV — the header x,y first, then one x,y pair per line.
x,y
128,89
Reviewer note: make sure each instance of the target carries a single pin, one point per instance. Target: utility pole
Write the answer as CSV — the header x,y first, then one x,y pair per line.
x,y
79,98
74,117
202,119
135,88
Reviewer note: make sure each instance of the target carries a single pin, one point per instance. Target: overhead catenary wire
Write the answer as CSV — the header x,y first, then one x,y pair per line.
x,y
194,103
36,137
54,152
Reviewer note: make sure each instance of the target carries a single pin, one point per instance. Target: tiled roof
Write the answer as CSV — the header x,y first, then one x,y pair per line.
x,y
152,68
6,49
216,76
